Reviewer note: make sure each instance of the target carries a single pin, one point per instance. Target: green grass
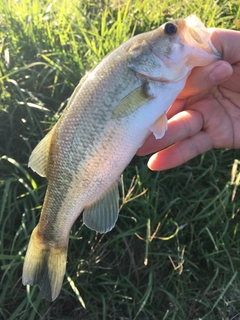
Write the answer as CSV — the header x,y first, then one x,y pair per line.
x,y
174,253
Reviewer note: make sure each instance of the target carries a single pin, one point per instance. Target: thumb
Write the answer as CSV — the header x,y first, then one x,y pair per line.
x,y
204,78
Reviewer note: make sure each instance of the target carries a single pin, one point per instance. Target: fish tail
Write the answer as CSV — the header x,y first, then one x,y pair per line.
x,y
44,265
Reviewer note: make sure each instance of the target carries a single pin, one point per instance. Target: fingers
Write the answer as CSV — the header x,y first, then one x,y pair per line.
x,y
177,106
182,125
204,79
180,152
233,82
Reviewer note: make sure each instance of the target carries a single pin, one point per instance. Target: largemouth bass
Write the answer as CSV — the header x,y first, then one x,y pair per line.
x,y
110,114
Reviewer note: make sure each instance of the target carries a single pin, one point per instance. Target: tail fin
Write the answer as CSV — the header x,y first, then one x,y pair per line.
x,y
45,266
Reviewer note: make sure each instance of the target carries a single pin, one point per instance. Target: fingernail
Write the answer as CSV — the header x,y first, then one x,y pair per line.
x,y
151,162
221,72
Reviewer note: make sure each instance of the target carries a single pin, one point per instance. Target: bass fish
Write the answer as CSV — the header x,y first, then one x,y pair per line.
x,y
112,111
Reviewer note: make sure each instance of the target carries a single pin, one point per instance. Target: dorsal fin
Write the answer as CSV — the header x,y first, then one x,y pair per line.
x,y
39,157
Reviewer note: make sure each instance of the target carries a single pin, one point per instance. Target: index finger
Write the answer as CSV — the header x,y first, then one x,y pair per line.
x,y
202,79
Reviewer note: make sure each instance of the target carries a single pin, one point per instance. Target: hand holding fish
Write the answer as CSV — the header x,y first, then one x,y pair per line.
x,y
206,114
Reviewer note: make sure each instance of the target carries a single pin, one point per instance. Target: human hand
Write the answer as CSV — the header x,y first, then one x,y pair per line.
x,y
206,114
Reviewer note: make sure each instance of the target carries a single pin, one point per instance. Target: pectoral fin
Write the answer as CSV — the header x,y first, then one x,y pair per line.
x,y
38,159
133,101
160,126
102,215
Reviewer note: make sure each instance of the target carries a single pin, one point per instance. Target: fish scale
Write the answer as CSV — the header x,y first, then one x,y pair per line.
x,y
108,117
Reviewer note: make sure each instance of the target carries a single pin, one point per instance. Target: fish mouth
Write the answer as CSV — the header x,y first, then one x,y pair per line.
x,y
197,34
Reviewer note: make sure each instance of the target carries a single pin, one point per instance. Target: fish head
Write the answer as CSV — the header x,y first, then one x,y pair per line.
x,y
170,52
197,41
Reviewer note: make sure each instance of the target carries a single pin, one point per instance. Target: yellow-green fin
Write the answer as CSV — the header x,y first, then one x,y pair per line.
x,y
102,215
38,159
132,102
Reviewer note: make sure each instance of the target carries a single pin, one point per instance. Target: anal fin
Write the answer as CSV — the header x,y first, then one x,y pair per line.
x,y
102,215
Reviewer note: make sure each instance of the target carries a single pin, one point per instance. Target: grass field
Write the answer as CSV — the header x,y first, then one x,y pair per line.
x,y
175,251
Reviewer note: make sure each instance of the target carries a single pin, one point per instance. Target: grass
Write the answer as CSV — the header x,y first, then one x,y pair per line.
x,y
174,253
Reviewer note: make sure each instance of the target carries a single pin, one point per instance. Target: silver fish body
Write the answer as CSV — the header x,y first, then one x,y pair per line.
x,y
110,114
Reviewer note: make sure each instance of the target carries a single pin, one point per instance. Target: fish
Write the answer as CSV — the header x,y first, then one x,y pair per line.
x,y
112,111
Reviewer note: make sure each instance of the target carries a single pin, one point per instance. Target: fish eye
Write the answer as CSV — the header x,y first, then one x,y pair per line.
x,y
170,28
